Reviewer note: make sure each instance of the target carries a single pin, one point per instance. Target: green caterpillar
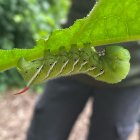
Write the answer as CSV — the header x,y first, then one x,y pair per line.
x,y
110,65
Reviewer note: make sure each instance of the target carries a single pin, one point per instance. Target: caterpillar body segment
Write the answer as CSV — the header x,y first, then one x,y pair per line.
x,y
28,69
73,58
111,65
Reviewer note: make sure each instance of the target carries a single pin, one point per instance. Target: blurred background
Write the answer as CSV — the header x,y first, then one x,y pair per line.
x,y
24,21
21,23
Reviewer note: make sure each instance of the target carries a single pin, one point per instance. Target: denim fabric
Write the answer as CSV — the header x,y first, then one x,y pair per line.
x,y
115,111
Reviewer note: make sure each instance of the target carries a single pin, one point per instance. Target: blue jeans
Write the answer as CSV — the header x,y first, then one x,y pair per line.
x,y
114,115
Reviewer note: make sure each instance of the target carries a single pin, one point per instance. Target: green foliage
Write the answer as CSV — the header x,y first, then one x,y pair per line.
x,y
109,22
22,22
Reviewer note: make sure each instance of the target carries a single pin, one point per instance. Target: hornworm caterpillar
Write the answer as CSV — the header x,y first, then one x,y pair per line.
x,y
110,65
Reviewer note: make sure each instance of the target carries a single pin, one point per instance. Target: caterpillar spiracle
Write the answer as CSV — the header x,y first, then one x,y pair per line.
x,y
110,65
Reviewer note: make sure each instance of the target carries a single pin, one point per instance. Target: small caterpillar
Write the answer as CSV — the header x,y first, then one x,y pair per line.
x,y
110,65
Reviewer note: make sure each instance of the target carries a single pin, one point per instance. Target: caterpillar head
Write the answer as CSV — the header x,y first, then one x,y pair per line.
x,y
114,64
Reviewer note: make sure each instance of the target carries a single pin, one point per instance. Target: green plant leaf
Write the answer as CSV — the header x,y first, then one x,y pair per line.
x,y
110,21
9,58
